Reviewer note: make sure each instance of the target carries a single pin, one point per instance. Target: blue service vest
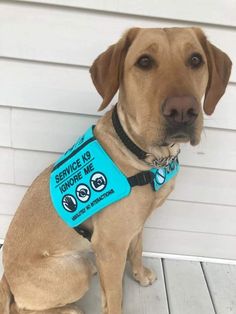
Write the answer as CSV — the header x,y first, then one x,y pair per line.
x,y
85,180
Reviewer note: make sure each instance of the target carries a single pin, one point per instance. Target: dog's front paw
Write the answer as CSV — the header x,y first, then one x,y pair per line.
x,y
145,276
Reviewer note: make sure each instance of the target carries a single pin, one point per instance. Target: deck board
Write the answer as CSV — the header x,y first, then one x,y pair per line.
x,y
186,288
221,281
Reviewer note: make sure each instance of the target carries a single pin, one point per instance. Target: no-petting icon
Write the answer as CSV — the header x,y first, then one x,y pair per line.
x,y
69,203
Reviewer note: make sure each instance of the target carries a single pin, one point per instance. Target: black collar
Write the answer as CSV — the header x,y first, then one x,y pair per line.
x,y
137,151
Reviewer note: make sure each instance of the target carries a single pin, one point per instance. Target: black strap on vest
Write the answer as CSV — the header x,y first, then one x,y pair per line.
x,y
141,178
137,151
84,232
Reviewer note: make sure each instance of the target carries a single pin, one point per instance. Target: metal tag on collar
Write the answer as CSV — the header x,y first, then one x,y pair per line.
x,y
162,162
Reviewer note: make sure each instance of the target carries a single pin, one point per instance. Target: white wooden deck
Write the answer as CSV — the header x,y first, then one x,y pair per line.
x,y
183,287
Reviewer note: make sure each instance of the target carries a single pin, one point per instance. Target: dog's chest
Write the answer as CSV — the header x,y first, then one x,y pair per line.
x,y
143,200
163,193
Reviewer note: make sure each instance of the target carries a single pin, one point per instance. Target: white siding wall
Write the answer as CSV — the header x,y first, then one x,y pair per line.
x,y
47,100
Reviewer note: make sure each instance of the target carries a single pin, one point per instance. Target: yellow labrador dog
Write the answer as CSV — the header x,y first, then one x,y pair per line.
x,y
162,75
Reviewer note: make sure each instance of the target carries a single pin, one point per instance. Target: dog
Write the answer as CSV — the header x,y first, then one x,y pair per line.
x,y
162,76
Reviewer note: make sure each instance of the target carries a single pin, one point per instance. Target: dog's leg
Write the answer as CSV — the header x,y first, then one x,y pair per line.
x,y
68,309
143,275
111,259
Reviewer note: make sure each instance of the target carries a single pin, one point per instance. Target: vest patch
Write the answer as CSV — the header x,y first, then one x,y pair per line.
x,y
85,180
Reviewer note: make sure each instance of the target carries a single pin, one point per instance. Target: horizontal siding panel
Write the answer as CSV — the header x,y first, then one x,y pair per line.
x,y
224,115
5,221
194,217
189,243
205,185
72,36
10,196
70,89
48,87
29,164
217,149
6,165
5,126
49,131
222,12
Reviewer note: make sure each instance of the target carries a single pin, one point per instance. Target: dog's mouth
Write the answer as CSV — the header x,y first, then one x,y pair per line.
x,y
180,138
183,135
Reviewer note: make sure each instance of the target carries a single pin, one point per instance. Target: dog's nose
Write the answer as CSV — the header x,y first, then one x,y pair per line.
x,y
180,109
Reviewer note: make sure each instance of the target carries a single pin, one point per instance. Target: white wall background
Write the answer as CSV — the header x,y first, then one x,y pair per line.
x,y
47,100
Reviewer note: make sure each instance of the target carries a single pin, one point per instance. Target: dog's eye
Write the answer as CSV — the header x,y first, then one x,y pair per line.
x,y
145,62
195,61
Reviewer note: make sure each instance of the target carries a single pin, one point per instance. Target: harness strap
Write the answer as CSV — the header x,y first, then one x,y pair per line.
x,y
84,232
141,178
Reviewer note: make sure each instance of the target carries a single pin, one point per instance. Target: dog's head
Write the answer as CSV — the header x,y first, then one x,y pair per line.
x,y
162,76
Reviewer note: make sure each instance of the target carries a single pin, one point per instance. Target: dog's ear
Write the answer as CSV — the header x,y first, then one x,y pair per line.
x,y
219,69
107,70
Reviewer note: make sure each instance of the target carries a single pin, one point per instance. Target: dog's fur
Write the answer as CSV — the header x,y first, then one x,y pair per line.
x,y
45,266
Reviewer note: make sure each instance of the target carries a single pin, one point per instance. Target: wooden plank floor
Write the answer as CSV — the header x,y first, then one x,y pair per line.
x,y
183,287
